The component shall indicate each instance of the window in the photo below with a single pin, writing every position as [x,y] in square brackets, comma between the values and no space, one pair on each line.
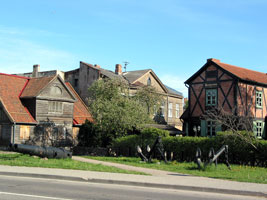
[258,128]
[259,99]
[76,82]
[56,90]
[211,97]
[55,107]
[24,132]
[162,109]
[211,128]
[177,111]
[149,81]
[170,110]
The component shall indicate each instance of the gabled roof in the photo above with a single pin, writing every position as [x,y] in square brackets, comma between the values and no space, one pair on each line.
[11,87]
[80,111]
[133,76]
[241,73]
[36,85]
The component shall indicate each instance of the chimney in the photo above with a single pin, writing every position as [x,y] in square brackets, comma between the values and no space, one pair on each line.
[96,65]
[35,72]
[213,59]
[118,69]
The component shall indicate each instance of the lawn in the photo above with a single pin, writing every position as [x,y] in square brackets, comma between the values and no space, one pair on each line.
[18,159]
[238,173]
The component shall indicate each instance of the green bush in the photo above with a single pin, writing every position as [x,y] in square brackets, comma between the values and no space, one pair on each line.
[184,148]
[126,145]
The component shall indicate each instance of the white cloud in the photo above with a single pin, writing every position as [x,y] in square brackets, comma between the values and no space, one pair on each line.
[176,82]
[18,54]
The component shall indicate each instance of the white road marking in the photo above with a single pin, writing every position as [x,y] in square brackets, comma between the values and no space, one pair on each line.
[34,196]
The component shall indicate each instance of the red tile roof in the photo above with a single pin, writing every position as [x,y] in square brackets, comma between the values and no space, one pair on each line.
[80,111]
[35,85]
[11,87]
[243,73]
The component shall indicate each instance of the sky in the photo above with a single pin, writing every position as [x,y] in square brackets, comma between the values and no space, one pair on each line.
[174,38]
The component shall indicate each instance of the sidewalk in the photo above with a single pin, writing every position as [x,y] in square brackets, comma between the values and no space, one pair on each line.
[158,179]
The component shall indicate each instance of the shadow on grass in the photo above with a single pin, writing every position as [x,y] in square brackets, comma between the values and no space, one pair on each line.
[9,156]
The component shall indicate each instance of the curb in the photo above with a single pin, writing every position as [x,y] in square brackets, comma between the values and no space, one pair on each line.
[140,184]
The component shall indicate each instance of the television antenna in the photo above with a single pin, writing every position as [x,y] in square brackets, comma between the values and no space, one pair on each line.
[125,65]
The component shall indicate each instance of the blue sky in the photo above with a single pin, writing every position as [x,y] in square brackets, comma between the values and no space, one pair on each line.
[172,37]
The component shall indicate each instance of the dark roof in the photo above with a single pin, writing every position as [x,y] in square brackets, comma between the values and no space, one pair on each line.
[35,85]
[80,111]
[132,76]
[173,91]
[11,87]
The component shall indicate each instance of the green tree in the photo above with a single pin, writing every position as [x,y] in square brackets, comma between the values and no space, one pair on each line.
[115,112]
[150,98]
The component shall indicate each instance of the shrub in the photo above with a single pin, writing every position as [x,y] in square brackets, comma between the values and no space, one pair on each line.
[184,148]
[126,145]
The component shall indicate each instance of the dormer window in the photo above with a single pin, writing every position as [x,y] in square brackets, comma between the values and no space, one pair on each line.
[149,81]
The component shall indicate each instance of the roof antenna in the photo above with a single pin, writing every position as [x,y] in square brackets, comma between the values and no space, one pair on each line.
[125,65]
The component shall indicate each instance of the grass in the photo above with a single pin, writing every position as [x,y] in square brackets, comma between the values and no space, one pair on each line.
[238,173]
[18,159]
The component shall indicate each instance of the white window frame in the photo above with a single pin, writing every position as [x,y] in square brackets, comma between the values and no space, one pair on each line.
[170,110]
[177,111]
[258,99]
[258,129]
[162,109]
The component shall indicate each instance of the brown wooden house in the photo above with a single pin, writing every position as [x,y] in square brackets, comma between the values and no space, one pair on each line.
[236,90]
[27,102]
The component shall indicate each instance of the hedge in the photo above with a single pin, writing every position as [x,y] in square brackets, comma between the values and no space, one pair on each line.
[184,148]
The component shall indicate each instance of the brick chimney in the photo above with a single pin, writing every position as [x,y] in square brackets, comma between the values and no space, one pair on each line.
[35,71]
[118,69]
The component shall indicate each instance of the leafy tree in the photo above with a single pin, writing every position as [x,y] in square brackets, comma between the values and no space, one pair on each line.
[150,98]
[115,112]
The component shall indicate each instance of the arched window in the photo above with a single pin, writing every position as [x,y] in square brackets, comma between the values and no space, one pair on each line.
[149,81]
[56,90]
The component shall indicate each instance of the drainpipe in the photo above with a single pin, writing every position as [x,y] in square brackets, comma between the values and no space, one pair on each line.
[13,135]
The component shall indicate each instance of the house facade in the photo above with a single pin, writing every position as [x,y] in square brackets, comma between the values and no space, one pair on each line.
[172,106]
[235,90]
[26,103]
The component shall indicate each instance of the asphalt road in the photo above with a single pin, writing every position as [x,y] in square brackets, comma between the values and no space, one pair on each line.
[20,188]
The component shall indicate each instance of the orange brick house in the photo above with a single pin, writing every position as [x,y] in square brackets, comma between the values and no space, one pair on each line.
[236,90]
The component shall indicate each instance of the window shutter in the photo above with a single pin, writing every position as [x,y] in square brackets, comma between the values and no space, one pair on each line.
[263,133]
[203,128]
[218,128]
[255,128]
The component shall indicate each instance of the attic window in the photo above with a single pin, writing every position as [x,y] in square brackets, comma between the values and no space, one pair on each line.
[149,81]
[211,74]
[56,90]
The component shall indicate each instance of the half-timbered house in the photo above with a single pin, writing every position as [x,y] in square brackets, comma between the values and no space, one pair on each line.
[236,90]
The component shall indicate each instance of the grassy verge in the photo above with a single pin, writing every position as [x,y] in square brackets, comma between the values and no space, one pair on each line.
[30,161]
[238,173]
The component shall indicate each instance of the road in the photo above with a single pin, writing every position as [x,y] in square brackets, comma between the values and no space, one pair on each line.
[20,188]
